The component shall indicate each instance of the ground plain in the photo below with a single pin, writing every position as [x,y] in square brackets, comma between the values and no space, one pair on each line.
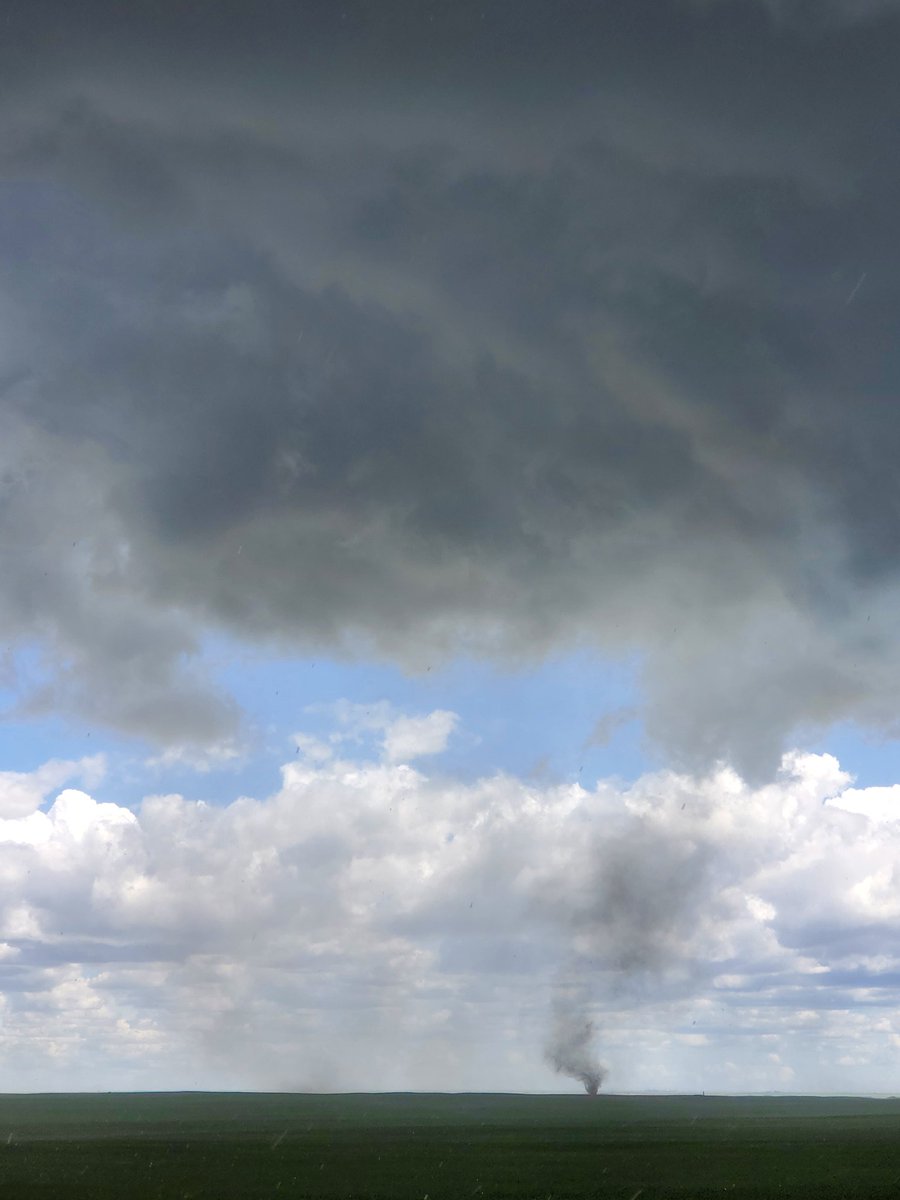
[446,1147]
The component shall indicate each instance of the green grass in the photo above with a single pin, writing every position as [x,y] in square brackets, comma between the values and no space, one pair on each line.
[192,1145]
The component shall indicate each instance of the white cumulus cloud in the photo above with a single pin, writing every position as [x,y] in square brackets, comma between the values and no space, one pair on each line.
[369,925]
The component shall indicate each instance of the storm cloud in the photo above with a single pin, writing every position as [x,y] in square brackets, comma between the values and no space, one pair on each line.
[423,330]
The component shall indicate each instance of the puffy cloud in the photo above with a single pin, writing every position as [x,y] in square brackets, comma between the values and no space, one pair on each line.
[876,803]
[21,792]
[370,926]
[411,737]
[402,737]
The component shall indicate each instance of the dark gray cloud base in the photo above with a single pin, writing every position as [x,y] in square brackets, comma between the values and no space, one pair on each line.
[413,335]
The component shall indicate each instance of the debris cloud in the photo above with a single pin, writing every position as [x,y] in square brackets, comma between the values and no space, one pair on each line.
[570,1050]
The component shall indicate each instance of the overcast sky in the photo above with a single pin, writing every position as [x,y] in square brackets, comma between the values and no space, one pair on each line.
[450,527]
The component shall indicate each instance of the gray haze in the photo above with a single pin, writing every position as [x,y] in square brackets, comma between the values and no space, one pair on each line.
[414,329]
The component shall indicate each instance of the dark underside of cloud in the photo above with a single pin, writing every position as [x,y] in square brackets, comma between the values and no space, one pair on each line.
[418,329]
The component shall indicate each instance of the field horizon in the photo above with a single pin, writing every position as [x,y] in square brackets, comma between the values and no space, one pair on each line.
[605,1093]
[444,1145]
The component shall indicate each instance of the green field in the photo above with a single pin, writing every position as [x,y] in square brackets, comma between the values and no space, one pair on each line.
[220,1146]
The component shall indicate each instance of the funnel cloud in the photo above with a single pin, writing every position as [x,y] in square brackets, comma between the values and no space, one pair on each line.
[570,1050]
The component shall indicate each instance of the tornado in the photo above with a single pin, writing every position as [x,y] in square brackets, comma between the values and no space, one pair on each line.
[570,1051]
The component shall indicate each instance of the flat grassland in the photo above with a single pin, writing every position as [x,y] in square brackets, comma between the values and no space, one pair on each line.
[446,1147]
